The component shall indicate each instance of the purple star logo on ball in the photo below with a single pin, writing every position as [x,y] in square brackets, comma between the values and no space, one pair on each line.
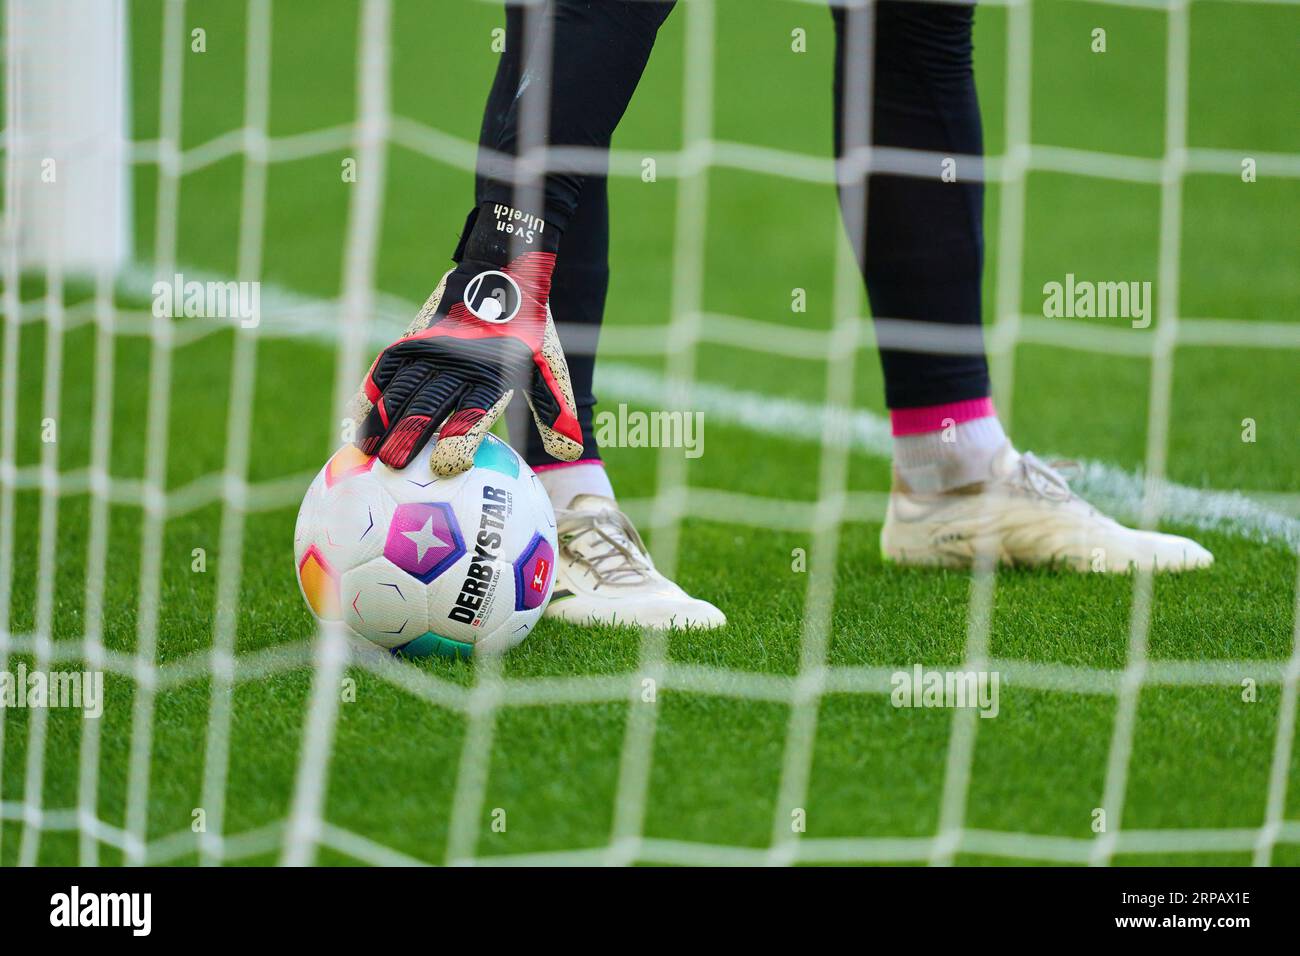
[423,539]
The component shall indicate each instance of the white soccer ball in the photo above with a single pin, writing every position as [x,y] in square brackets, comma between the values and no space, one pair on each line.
[419,565]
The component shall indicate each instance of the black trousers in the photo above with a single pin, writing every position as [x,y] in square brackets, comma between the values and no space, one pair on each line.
[598,51]
[918,238]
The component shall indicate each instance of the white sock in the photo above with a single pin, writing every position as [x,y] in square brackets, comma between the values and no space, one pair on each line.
[938,461]
[565,482]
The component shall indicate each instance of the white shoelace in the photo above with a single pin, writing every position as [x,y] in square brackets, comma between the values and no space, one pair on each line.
[621,561]
[1037,476]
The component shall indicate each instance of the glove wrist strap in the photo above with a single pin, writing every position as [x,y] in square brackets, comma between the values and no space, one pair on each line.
[497,233]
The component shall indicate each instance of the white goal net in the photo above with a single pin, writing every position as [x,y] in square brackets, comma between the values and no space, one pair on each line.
[52,243]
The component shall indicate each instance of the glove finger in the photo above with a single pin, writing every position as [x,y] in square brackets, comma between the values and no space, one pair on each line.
[550,396]
[432,399]
[371,427]
[461,434]
[376,417]
[386,364]
[362,405]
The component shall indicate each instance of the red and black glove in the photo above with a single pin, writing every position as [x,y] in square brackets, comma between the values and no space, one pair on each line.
[485,331]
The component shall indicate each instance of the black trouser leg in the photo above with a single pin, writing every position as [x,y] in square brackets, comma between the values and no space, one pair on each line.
[597,52]
[600,50]
[920,244]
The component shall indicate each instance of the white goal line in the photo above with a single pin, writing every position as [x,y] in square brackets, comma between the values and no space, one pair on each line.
[286,316]
[703,155]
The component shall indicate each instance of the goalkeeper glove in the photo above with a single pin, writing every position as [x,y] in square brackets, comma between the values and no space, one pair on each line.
[484,331]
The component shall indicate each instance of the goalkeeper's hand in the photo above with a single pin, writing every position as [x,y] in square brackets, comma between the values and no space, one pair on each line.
[484,332]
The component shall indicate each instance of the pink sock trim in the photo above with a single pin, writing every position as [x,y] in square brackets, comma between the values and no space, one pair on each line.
[931,418]
[569,464]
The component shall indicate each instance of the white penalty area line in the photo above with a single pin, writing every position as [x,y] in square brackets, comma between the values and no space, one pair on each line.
[289,314]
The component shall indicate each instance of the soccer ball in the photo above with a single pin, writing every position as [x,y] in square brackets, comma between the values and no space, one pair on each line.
[420,565]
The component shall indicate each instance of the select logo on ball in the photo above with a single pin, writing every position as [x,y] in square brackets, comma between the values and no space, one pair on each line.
[493,297]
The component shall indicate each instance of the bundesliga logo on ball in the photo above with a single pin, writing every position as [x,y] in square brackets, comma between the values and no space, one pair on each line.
[419,565]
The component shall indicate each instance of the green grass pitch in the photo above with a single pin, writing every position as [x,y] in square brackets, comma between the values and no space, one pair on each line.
[1201,756]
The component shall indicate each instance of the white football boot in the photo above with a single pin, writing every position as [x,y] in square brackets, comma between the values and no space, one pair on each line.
[604,574]
[1023,515]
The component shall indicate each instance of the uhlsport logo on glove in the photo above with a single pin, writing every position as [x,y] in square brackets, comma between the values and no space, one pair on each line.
[493,297]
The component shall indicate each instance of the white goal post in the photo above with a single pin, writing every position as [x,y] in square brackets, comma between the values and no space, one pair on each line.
[67,158]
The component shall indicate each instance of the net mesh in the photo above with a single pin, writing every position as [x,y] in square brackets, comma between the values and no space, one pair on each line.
[299,837]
